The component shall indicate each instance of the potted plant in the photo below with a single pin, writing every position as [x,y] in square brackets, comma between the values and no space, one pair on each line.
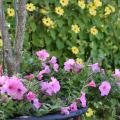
[54,92]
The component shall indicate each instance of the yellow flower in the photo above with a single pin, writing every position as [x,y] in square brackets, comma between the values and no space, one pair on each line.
[97,3]
[64,2]
[59,10]
[75,28]
[79,61]
[48,22]
[92,11]
[10,12]
[89,112]
[30,7]
[93,30]
[109,9]
[75,50]
[81,4]
[43,11]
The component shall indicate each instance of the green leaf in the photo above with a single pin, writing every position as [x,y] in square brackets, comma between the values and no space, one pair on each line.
[59,44]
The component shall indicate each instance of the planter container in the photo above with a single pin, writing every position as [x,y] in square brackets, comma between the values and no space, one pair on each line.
[75,115]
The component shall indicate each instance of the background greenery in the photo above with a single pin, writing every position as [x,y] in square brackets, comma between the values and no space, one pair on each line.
[104,47]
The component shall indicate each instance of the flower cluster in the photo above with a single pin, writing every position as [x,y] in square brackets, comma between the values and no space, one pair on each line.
[13,86]
[49,85]
[31,97]
[72,65]
[50,88]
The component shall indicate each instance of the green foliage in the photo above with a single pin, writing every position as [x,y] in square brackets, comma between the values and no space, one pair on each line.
[103,47]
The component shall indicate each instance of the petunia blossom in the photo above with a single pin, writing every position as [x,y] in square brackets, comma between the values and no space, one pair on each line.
[73,106]
[53,60]
[42,55]
[65,110]
[95,67]
[36,103]
[77,67]
[31,96]
[56,67]
[117,74]
[92,84]
[14,88]
[105,88]
[68,65]
[83,99]
[50,88]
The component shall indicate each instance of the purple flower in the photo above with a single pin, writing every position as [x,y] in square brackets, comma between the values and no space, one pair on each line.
[42,55]
[54,86]
[47,70]
[31,96]
[65,110]
[36,103]
[56,67]
[53,60]
[77,67]
[50,88]
[14,88]
[44,86]
[73,106]
[40,75]
[83,99]
[95,67]
[117,74]
[92,84]
[68,65]
[105,88]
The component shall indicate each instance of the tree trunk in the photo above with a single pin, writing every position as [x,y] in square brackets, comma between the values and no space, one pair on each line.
[20,29]
[13,60]
[9,59]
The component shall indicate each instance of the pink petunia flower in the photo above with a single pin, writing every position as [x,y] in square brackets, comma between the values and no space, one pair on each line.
[50,88]
[65,110]
[53,60]
[83,99]
[105,88]
[31,96]
[30,76]
[117,74]
[47,69]
[73,106]
[95,67]
[3,80]
[36,103]
[68,65]
[77,67]
[55,67]
[40,75]
[92,84]
[14,88]
[44,86]
[42,55]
